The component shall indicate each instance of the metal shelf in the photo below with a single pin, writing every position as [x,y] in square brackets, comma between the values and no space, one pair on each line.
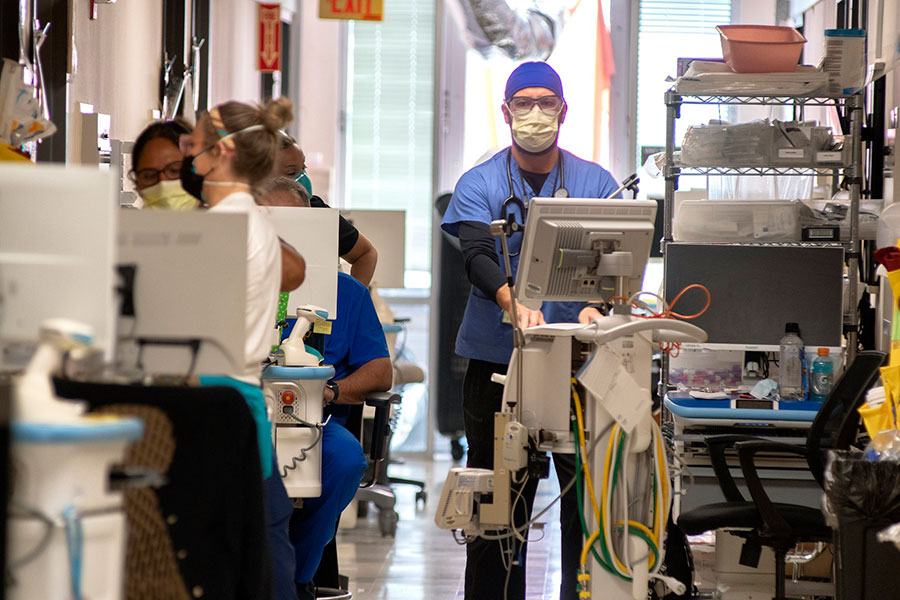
[673,98]
[850,106]
[800,170]
[844,245]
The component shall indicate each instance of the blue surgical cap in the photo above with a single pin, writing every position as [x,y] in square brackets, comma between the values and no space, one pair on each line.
[533,74]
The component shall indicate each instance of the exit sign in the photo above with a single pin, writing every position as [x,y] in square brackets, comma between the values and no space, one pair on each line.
[359,10]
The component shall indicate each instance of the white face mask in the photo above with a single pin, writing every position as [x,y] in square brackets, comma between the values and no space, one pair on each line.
[168,195]
[535,131]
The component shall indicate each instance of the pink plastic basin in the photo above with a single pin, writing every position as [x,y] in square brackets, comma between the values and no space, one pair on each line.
[761,48]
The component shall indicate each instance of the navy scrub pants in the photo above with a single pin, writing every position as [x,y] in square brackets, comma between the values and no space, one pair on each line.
[486,575]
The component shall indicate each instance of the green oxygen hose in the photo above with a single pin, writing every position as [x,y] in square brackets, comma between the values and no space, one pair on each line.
[631,530]
[584,528]
[606,560]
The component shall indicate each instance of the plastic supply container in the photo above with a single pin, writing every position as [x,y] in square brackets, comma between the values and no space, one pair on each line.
[737,221]
[790,364]
[845,60]
[822,376]
[888,227]
[728,144]
[761,48]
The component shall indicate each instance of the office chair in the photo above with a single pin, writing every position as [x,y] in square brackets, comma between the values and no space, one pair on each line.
[406,372]
[199,529]
[375,434]
[328,580]
[781,526]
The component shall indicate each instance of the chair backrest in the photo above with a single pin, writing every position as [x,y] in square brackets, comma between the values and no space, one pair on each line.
[205,440]
[838,413]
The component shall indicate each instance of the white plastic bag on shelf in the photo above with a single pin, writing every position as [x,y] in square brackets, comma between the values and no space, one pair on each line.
[714,78]
[725,144]
[737,221]
[766,187]
[756,143]
[21,120]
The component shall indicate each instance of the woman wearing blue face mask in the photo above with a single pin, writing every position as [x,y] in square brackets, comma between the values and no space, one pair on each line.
[353,246]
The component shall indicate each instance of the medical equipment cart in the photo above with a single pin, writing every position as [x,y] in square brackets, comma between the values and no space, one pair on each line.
[851,110]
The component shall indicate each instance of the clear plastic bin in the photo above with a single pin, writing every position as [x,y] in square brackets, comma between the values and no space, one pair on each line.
[728,145]
[737,221]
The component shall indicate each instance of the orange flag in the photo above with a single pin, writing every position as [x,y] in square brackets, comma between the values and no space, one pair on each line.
[605,69]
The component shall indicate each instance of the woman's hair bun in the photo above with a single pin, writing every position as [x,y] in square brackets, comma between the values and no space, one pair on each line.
[277,113]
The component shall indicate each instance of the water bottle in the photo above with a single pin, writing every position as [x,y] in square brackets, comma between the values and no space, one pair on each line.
[822,378]
[790,362]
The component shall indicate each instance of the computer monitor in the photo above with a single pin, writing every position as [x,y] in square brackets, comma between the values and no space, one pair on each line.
[57,254]
[190,283]
[313,232]
[754,290]
[386,229]
[575,248]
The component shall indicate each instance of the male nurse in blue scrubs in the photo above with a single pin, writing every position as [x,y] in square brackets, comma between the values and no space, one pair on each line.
[533,166]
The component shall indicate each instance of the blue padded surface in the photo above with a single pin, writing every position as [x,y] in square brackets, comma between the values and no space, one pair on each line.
[92,430]
[683,405]
[297,373]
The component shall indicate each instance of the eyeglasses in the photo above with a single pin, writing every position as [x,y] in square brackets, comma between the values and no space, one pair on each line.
[147,177]
[521,105]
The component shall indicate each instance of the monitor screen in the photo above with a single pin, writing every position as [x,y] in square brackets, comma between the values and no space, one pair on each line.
[190,283]
[386,229]
[313,232]
[57,252]
[576,248]
[755,290]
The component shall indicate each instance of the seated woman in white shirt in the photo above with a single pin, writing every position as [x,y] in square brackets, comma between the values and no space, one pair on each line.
[232,149]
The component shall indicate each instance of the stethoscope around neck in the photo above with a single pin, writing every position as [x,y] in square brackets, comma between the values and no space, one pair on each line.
[560,192]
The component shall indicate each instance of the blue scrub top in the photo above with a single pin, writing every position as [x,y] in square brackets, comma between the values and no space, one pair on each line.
[356,336]
[479,196]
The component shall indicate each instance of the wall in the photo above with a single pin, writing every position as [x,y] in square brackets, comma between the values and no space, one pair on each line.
[758,12]
[118,63]
[321,91]
[232,51]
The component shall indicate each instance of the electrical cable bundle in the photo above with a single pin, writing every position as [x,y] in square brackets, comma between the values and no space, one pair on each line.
[615,473]
[667,311]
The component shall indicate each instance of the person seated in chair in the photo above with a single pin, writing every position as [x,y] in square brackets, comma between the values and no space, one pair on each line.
[353,246]
[357,350]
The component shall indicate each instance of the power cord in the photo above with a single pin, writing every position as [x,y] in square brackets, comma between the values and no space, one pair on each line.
[571,483]
[296,460]
[39,548]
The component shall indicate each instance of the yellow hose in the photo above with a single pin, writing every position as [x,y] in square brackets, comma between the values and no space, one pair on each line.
[579,417]
[599,510]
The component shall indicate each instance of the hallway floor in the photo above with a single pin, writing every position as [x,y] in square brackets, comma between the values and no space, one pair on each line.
[424,562]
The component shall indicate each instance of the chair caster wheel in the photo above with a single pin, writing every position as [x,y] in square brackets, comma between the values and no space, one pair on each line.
[421,495]
[456,450]
[387,522]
